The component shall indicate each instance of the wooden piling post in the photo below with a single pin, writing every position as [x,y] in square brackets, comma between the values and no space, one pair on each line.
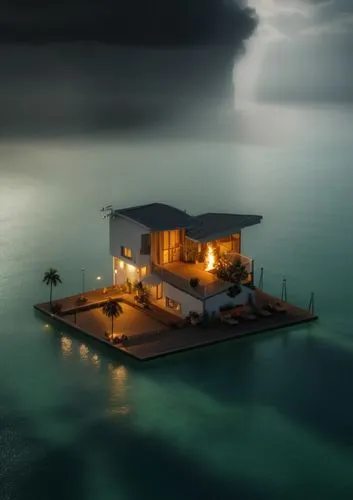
[284,290]
[261,280]
[311,307]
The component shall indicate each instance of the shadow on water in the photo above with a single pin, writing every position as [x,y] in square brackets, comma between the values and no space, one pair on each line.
[163,471]
[136,464]
[286,371]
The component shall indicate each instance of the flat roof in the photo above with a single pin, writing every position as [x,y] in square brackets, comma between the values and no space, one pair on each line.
[212,226]
[158,216]
[201,228]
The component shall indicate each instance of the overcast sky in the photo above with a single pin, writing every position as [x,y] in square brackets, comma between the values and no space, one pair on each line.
[302,50]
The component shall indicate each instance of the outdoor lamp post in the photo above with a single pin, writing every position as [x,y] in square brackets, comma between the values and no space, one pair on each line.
[83,281]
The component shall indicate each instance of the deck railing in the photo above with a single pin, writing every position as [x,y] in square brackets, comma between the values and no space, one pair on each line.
[170,277]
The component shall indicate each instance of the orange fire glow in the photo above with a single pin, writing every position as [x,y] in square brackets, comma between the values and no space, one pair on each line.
[210,258]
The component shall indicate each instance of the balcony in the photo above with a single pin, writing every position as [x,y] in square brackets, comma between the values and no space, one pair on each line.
[179,274]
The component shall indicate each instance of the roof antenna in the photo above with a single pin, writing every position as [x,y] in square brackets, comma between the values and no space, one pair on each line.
[107,212]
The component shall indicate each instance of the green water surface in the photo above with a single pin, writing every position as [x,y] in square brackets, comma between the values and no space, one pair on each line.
[269,417]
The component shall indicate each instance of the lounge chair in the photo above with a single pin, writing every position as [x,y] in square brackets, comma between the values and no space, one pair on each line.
[229,320]
[260,311]
[247,315]
[276,307]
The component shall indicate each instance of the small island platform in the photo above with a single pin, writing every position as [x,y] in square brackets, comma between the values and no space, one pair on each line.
[155,332]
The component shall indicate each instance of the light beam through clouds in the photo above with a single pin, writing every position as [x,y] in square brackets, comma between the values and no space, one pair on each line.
[287,27]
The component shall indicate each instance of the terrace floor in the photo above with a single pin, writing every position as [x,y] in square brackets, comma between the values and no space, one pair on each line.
[207,279]
[132,322]
[188,271]
[151,337]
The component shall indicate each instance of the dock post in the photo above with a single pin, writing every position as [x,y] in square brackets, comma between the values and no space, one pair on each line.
[311,307]
[261,280]
[284,290]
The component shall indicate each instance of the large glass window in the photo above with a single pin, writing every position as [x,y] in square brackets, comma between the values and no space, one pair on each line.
[171,246]
[143,272]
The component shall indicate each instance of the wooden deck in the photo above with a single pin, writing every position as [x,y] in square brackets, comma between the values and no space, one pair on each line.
[156,333]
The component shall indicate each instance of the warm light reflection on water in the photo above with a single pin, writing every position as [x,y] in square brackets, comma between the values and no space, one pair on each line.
[95,360]
[66,346]
[119,379]
[83,351]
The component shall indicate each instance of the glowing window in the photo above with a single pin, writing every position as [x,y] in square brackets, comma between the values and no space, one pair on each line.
[143,272]
[126,252]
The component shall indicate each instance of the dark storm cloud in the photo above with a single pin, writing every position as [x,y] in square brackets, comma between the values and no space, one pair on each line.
[130,22]
[167,62]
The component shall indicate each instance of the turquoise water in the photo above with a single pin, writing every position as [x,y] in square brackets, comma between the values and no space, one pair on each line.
[269,417]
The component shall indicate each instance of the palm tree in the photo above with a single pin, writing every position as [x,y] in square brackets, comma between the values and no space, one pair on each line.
[52,278]
[112,309]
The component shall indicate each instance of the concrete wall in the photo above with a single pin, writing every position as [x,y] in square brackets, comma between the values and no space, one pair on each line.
[123,232]
[187,302]
[214,303]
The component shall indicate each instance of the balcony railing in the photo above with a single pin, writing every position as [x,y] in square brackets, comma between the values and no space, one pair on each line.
[200,291]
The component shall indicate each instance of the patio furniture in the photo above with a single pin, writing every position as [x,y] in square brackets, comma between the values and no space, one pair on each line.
[260,311]
[276,307]
[247,316]
[229,320]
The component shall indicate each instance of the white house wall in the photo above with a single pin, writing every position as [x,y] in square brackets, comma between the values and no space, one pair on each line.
[126,233]
[213,304]
[186,301]
[127,272]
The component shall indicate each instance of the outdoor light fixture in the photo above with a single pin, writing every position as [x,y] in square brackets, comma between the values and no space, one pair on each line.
[115,271]
[99,278]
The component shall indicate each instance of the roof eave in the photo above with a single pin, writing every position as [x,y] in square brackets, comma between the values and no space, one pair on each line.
[255,219]
[123,216]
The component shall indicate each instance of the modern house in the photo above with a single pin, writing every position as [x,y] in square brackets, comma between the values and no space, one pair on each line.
[176,256]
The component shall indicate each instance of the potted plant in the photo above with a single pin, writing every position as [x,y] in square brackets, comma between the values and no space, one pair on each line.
[194,317]
[194,282]
[142,296]
[56,307]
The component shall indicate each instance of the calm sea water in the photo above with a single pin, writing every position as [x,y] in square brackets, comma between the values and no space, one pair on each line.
[269,417]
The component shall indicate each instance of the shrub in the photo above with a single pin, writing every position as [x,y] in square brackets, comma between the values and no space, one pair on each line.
[142,296]
[228,270]
[56,307]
